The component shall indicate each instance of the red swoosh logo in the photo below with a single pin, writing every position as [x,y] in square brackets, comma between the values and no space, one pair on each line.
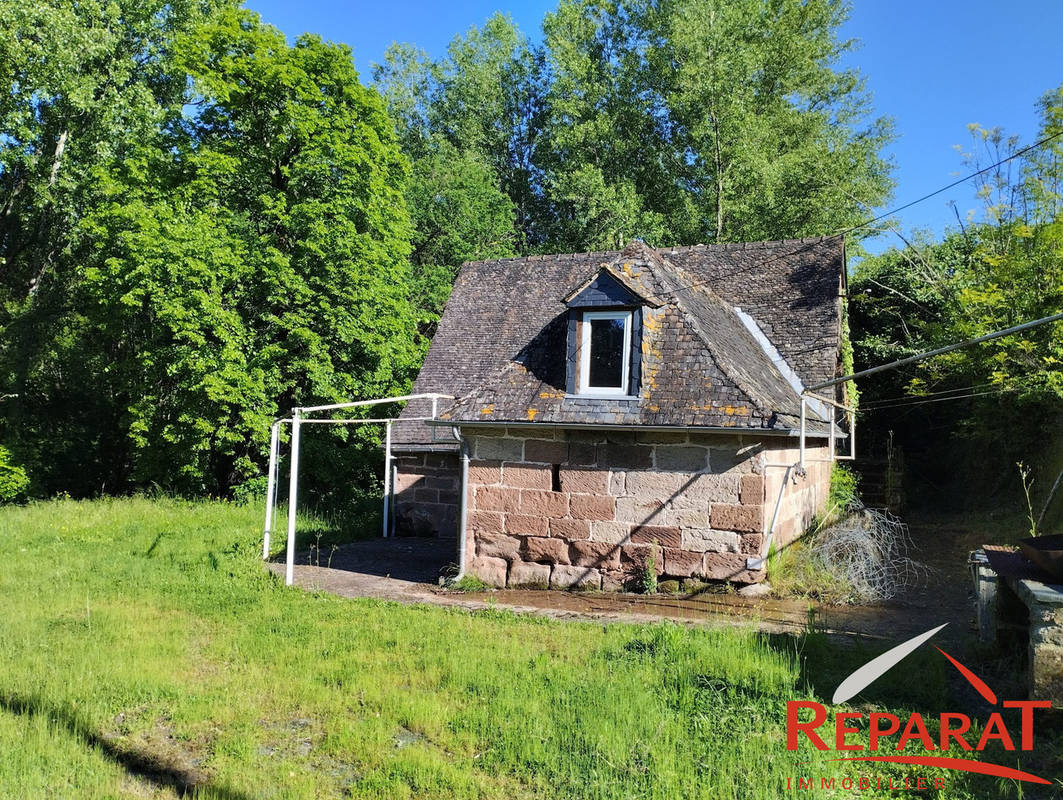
[974,680]
[960,764]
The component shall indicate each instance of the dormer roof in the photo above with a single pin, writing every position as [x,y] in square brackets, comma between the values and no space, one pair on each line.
[610,287]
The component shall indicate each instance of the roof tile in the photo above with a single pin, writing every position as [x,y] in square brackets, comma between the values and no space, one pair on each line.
[500,344]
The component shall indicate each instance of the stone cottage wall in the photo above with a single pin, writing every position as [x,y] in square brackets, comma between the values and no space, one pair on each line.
[426,494]
[805,495]
[567,508]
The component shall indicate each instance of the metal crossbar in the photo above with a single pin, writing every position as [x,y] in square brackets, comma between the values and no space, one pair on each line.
[297,420]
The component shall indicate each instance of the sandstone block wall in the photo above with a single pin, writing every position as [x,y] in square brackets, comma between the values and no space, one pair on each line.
[426,494]
[572,508]
[804,496]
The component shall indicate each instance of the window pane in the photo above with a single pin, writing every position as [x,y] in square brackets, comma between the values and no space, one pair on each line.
[607,353]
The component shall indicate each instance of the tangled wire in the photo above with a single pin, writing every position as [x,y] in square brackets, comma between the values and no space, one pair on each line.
[868,551]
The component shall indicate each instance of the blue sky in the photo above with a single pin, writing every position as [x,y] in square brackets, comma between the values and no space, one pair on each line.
[934,66]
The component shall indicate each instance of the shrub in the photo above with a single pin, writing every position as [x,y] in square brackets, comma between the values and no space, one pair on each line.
[844,489]
[469,583]
[646,577]
[13,479]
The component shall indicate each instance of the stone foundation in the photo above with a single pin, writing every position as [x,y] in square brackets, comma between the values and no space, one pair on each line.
[582,509]
[426,494]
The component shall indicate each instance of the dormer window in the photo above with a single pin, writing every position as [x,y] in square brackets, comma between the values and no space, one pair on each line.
[604,336]
[605,357]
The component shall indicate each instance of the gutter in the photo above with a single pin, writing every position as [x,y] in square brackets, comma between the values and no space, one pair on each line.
[781,432]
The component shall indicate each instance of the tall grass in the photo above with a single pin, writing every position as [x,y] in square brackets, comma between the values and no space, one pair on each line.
[144,650]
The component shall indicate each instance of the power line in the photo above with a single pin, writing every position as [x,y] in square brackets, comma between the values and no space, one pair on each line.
[957,182]
[940,400]
[939,351]
[901,397]
[873,220]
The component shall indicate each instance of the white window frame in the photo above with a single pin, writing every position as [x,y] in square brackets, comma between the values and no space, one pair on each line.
[585,352]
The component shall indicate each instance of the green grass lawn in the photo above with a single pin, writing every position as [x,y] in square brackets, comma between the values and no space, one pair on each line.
[144,650]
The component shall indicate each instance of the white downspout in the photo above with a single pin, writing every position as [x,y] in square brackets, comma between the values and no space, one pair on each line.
[758,562]
[852,437]
[271,487]
[293,491]
[394,480]
[833,446]
[463,505]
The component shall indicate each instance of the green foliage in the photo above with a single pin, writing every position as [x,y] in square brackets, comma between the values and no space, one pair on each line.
[227,265]
[668,587]
[13,478]
[1001,268]
[466,188]
[88,81]
[459,214]
[469,583]
[795,572]
[676,122]
[846,357]
[844,488]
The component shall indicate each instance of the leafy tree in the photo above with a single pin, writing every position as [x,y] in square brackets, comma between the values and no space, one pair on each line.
[998,269]
[13,480]
[464,121]
[483,98]
[240,260]
[694,120]
[679,121]
[90,81]
[459,214]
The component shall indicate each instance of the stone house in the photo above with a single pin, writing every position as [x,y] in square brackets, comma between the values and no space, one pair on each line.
[623,411]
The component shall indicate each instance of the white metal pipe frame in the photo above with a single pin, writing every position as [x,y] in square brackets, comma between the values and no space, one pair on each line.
[297,420]
[810,393]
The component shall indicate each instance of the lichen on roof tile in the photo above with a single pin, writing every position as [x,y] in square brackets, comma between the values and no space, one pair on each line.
[500,344]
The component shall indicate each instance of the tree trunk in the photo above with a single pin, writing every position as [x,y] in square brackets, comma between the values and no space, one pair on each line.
[719,179]
[60,146]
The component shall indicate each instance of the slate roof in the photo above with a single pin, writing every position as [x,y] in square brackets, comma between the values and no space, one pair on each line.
[500,347]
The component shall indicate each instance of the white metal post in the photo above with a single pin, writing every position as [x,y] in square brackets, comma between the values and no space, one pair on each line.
[804,402]
[387,479]
[293,491]
[833,412]
[394,480]
[852,437]
[271,487]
